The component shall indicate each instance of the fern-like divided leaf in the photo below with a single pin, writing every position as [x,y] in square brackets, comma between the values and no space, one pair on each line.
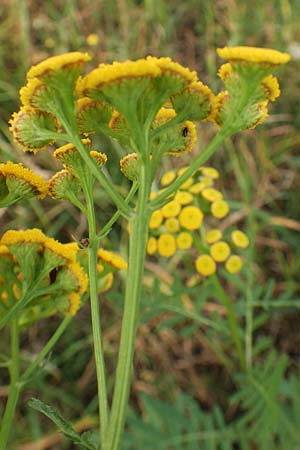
[83,442]
[181,426]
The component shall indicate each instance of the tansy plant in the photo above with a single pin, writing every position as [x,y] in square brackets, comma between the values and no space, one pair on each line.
[150,106]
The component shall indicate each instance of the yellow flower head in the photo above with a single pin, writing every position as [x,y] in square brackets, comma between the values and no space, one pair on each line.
[239,239]
[74,304]
[220,101]
[92,114]
[191,217]
[112,259]
[166,245]
[256,55]
[92,39]
[63,184]
[209,172]
[211,194]
[17,171]
[225,71]
[167,178]
[169,67]
[271,87]
[183,197]
[220,251]
[184,240]
[190,134]
[12,237]
[65,62]
[172,224]
[99,157]
[29,127]
[156,219]
[79,275]
[205,265]
[195,101]
[151,246]
[213,236]
[219,209]
[68,152]
[171,209]
[233,264]
[30,94]
[130,166]
[62,251]
[116,73]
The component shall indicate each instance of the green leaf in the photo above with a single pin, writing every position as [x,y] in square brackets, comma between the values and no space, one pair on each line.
[63,425]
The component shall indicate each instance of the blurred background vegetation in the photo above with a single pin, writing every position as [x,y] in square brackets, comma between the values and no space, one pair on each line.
[182,380]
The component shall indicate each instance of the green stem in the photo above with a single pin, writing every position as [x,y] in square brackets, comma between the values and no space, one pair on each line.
[48,347]
[94,169]
[201,159]
[105,230]
[232,319]
[95,311]
[137,250]
[15,386]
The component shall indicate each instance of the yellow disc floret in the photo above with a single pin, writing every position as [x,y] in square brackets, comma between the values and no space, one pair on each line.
[239,239]
[233,264]
[156,219]
[171,209]
[205,265]
[151,246]
[220,251]
[219,209]
[166,245]
[184,240]
[191,217]
[213,236]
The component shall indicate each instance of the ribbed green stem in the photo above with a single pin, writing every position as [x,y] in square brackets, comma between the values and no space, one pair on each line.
[14,389]
[95,311]
[137,250]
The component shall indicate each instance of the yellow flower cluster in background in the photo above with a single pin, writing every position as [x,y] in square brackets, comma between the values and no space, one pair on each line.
[191,221]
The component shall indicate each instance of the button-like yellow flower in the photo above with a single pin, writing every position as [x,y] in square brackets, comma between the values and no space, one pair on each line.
[184,240]
[240,239]
[151,246]
[166,245]
[156,219]
[172,224]
[183,197]
[171,209]
[191,217]
[92,39]
[210,172]
[205,265]
[211,194]
[167,178]
[233,264]
[213,236]
[219,209]
[220,251]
